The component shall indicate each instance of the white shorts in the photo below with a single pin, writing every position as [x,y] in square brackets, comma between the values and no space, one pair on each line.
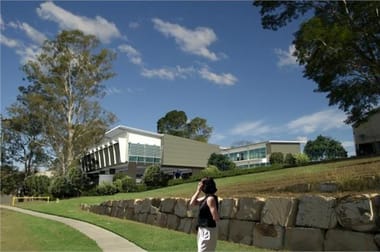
[206,239]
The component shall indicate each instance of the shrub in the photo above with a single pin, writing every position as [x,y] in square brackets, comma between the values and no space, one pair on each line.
[290,160]
[118,184]
[128,184]
[61,187]
[106,188]
[154,177]
[222,162]
[36,185]
[301,159]
[276,158]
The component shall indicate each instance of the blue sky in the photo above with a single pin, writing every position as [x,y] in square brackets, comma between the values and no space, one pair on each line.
[209,59]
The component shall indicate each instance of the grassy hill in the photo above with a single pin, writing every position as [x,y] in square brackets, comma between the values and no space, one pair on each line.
[354,175]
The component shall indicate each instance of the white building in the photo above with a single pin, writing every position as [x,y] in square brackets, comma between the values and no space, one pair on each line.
[130,150]
[257,154]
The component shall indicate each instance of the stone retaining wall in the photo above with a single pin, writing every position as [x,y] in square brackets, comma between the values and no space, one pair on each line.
[308,222]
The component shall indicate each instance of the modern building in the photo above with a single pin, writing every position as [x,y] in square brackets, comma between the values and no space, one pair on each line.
[131,150]
[257,154]
[367,136]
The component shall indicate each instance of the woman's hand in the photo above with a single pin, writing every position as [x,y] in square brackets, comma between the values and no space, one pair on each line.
[200,186]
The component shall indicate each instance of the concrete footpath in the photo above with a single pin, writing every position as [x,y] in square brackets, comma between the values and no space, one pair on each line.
[106,240]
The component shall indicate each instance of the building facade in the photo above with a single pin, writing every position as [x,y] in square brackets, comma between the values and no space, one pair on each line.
[367,136]
[257,154]
[129,150]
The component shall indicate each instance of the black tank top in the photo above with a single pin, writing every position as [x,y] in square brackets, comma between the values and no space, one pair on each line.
[205,217]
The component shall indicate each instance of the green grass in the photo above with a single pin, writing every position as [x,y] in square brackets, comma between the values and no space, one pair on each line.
[154,238]
[21,232]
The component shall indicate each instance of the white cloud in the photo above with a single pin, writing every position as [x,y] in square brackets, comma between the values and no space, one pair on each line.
[12,43]
[168,73]
[191,41]
[303,139]
[31,32]
[133,55]
[221,79]
[2,25]
[25,52]
[348,144]
[98,26]
[28,53]
[133,25]
[286,58]
[320,121]
[251,129]
[112,90]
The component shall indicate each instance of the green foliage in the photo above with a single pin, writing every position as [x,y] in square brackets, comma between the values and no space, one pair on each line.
[338,44]
[65,86]
[78,180]
[276,158]
[128,184]
[61,187]
[290,160]
[11,179]
[36,185]
[301,159]
[175,123]
[222,162]
[22,140]
[324,148]
[124,183]
[199,130]
[154,177]
[210,171]
[118,184]
[106,188]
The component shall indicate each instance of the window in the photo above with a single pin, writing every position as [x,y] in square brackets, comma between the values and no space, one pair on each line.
[144,153]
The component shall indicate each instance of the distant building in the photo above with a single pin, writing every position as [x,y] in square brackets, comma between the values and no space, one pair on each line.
[131,150]
[367,136]
[257,154]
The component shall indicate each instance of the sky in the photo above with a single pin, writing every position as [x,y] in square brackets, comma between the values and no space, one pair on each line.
[210,59]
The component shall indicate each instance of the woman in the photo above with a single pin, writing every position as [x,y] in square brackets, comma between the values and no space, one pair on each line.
[208,216]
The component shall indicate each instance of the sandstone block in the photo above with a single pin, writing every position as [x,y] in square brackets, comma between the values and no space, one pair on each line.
[108,211]
[343,240]
[192,211]
[120,213]
[162,219]
[227,208]
[180,208]
[249,209]
[223,229]
[279,211]
[303,239]
[151,219]
[185,225]
[129,213]
[167,205]
[357,213]
[241,231]
[141,217]
[138,206]
[173,221]
[316,211]
[268,236]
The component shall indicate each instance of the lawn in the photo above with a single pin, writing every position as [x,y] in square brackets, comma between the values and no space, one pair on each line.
[154,238]
[21,232]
